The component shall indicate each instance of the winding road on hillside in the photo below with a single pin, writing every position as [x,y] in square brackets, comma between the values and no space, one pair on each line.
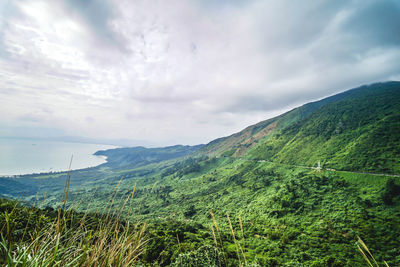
[321,168]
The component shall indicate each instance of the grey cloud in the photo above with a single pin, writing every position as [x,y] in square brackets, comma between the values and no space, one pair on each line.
[7,9]
[97,15]
[29,118]
[158,69]
[256,103]
[90,119]
[291,24]
[376,24]
[332,55]
[162,99]
[3,52]
[212,5]
[68,74]
[31,132]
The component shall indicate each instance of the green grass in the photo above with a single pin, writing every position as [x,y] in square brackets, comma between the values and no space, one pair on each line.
[37,237]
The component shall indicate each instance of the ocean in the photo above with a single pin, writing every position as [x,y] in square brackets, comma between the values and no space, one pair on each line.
[26,156]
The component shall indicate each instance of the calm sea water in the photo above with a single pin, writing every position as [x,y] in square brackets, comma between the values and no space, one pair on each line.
[35,156]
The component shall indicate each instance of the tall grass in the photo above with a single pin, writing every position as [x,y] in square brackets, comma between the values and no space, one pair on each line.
[239,244]
[367,255]
[72,240]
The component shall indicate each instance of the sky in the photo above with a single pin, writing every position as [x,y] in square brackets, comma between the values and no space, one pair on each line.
[163,72]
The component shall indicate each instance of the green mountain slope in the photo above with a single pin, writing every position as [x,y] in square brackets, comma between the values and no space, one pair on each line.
[239,143]
[141,156]
[355,130]
[251,197]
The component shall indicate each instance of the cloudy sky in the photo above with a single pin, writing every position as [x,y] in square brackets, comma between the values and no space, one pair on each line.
[182,71]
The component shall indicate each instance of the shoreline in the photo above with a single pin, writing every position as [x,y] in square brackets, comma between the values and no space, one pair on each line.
[21,175]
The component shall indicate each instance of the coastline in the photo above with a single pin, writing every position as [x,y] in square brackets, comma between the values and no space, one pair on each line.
[30,158]
[55,172]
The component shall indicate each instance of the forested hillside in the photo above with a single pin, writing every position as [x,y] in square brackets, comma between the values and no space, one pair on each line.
[355,130]
[253,198]
[141,156]
[358,131]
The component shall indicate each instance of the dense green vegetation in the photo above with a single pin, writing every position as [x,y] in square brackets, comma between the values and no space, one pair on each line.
[358,132]
[355,130]
[141,156]
[253,198]
[289,215]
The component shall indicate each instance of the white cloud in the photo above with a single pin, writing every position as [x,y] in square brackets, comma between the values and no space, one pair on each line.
[183,71]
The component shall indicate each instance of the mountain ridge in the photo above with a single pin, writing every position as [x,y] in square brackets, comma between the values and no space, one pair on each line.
[382,97]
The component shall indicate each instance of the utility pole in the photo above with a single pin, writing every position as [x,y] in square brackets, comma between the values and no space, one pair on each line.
[319,166]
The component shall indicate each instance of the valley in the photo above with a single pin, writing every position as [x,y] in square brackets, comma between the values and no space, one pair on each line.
[295,190]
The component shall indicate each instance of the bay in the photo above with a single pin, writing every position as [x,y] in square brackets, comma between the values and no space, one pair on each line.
[26,156]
